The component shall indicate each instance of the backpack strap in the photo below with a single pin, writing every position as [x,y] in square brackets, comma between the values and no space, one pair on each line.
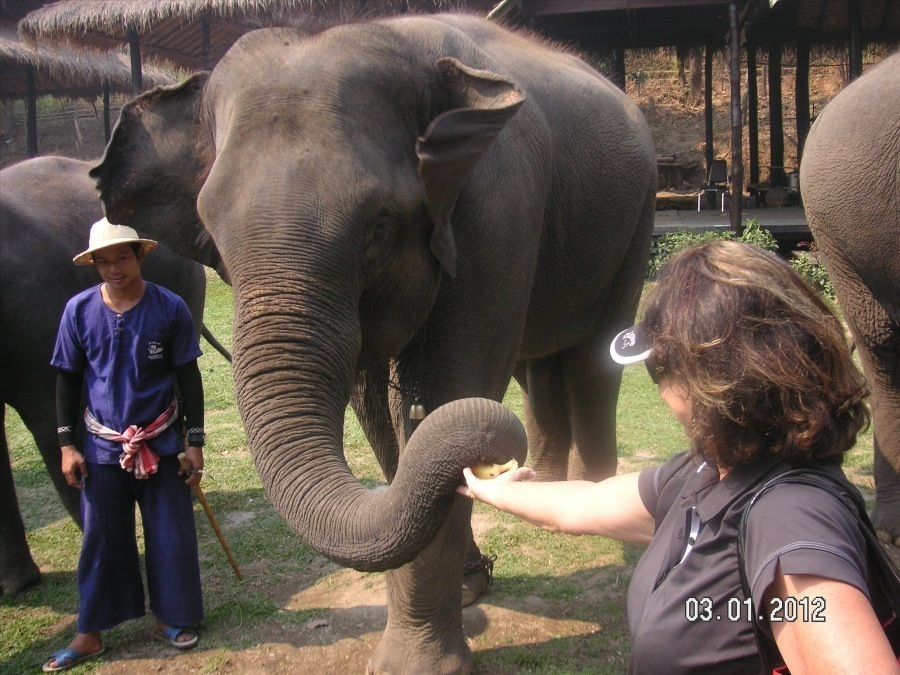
[885,577]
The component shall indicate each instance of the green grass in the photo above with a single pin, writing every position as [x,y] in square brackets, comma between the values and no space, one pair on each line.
[589,573]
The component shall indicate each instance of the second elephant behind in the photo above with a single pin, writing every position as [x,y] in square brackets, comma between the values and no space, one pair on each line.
[47,206]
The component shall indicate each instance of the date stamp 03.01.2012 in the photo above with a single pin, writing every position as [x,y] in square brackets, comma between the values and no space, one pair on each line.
[790,609]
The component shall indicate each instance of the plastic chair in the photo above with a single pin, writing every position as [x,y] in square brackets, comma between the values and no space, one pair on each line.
[717,181]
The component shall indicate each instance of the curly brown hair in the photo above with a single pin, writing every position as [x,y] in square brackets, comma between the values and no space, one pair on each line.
[763,357]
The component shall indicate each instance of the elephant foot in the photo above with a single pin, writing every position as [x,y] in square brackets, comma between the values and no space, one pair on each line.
[15,582]
[478,575]
[886,537]
[886,520]
[401,652]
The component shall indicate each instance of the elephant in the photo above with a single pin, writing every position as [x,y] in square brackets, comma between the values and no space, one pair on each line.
[850,182]
[47,206]
[410,210]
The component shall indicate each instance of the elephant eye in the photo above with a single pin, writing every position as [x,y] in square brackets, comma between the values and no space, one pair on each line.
[380,229]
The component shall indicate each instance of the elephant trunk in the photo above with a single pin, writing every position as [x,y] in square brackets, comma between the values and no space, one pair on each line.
[293,380]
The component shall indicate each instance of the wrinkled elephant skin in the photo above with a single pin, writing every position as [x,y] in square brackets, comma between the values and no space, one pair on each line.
[850,177]
[47,206]
[410,210]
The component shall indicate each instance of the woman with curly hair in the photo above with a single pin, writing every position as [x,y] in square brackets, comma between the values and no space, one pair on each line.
[757,369]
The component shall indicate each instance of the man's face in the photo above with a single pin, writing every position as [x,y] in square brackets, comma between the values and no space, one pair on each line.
[118,265]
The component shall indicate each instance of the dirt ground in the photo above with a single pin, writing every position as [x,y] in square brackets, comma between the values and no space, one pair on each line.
[342,639]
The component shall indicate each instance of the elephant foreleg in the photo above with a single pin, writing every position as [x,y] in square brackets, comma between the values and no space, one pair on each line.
[39,415]
[370,404]
[18,570]
[424,629]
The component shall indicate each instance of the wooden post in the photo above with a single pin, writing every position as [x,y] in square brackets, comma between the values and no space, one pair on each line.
[106,124]
[204,29]
[802,95]
[776,124]
[854,19]
[619,74]
[134,48]
[752,113]
[737,161]
[707,103]
[31,112]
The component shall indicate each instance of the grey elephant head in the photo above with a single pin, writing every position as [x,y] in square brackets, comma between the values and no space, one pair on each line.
[168,161]
[335,235]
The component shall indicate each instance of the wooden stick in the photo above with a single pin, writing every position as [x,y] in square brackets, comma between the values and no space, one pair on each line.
[186,466]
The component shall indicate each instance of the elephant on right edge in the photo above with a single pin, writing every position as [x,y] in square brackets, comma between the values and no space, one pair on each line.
[850,176]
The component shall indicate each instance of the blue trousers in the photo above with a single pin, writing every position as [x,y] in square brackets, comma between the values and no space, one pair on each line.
[109,576]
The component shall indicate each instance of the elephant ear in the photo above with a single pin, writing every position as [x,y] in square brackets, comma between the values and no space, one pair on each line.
[481,104]
[155,164]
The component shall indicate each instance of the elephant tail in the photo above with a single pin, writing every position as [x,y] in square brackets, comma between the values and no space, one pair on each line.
[211,339]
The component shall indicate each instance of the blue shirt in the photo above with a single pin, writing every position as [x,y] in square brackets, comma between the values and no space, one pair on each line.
[128,360]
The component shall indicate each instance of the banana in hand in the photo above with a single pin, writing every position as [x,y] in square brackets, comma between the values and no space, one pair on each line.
[485,471]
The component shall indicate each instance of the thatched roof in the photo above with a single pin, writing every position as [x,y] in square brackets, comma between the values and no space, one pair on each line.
[64,72]
[173,30]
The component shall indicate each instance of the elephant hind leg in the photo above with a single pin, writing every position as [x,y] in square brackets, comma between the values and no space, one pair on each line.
[547,418]
[592,390]
[875,326]
[18,570]
[879,348]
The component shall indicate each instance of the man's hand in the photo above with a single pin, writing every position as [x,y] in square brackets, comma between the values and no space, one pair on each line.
[194,455]
[73,466]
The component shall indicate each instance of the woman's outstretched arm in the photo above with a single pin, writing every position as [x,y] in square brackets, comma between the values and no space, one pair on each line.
[611,508]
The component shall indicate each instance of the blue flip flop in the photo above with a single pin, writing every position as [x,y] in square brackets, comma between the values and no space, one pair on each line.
[170,634]
[69,658]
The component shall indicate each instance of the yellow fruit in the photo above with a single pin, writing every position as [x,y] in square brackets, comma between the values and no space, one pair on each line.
[485,471]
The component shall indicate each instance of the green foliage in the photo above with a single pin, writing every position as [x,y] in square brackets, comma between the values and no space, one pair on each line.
[756,235]
[673,242]
[808,265]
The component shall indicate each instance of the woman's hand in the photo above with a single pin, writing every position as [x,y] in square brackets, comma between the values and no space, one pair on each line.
[476,488]
[611,508]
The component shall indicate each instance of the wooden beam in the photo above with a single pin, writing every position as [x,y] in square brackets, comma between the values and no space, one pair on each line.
[204,31]
[776,119]
[545,7]
[752,113]
[737,161]
[619,73]
[106,121]
[134,48]
[708,105]
[31,112]
[801,95]
[854,20]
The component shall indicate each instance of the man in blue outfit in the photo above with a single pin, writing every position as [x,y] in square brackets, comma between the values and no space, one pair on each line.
[129,341]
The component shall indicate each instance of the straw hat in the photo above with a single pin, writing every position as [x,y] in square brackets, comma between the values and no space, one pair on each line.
[104,234]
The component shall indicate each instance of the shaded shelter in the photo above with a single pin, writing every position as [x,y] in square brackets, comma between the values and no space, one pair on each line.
[195,34]
[28,73]
[846,25]
[604,26]
[192,34]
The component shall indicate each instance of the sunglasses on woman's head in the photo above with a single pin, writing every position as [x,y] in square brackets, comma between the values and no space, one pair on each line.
[655,372]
